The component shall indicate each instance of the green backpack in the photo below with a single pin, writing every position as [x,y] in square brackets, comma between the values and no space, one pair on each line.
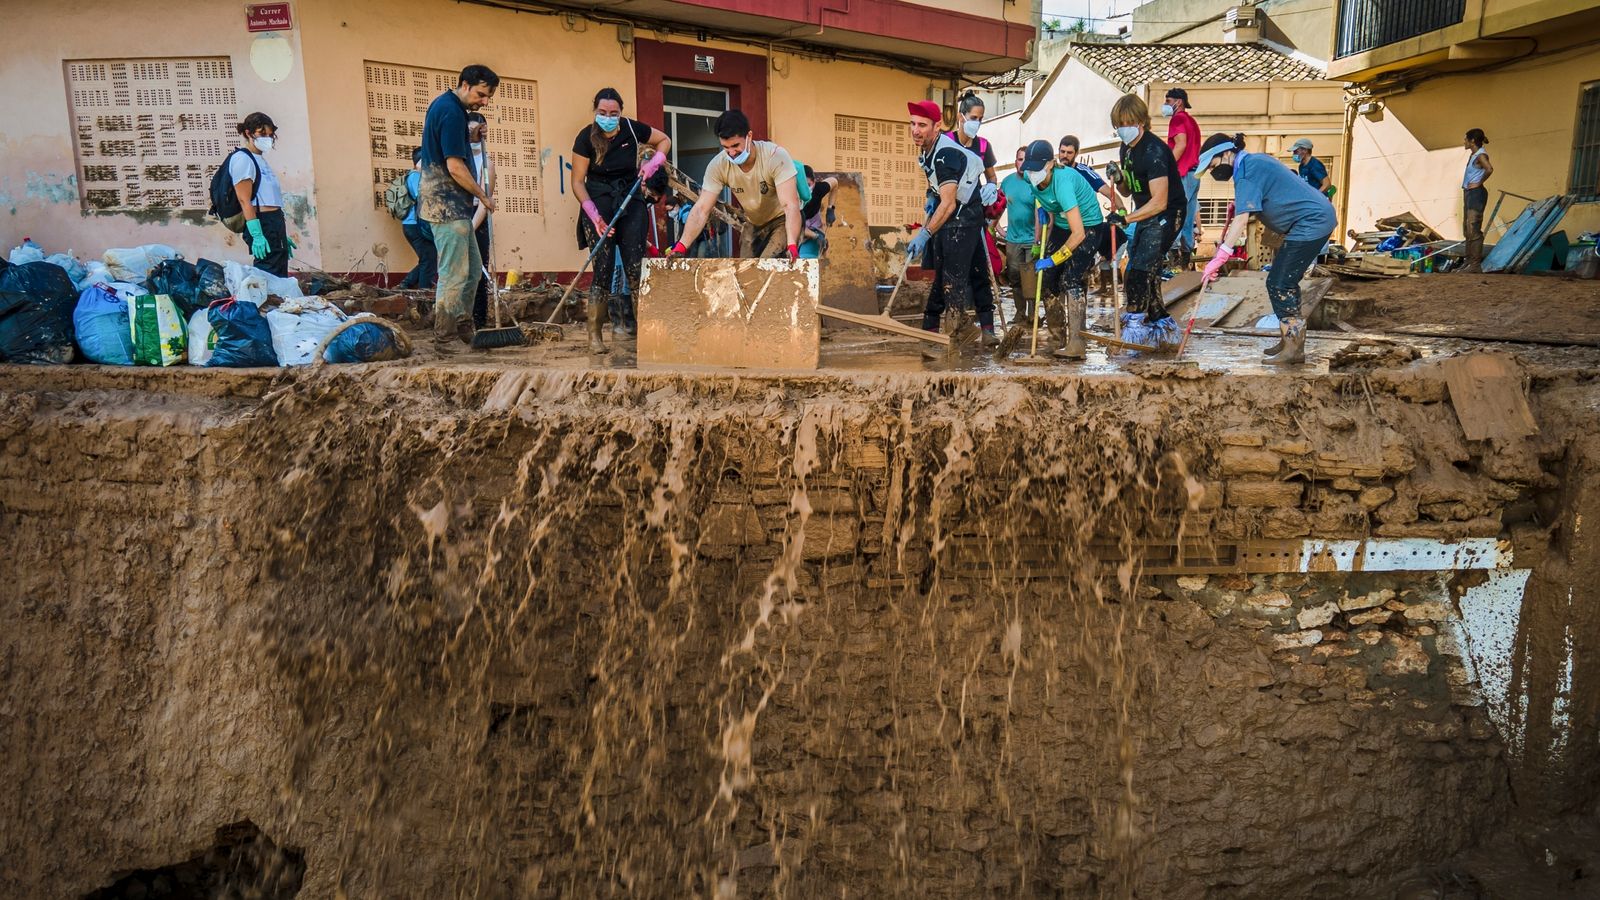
[398,197]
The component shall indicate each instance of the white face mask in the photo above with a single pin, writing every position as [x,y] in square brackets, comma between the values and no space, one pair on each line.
[970,127]
[1128,133]
[263,144]
[1037,178]
[1166,109]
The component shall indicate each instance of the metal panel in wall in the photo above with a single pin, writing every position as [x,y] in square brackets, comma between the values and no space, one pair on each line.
[149,132]
[397,102]
[883,152]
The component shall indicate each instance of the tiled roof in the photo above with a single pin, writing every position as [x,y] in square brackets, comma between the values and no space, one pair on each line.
[1131,65]
[1014,78]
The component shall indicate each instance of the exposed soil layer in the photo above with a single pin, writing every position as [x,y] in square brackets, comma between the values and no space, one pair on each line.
[478,632]
[1507,307]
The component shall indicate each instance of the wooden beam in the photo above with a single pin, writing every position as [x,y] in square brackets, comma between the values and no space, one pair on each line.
[884,323]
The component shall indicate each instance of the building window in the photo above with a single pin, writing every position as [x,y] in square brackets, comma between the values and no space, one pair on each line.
[397,102]
[1585,181]
[1214,211]
[149,132]
[1368,24]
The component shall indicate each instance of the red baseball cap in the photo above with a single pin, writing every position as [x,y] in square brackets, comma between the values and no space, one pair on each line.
[927,109]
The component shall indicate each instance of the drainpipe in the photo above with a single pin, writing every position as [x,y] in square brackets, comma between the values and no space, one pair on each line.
[1352,102]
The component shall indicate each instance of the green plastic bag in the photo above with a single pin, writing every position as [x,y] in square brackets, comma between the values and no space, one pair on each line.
[159,338]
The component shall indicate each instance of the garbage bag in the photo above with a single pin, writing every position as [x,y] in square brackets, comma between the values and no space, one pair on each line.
[298,327]
[72,266]
[159,335]
[202,340]
[213,281]
[361,343]
[25,252]
[252,284]
[96,273]
[100,325]
[39,278]
[241,337]
[180,280]
[35,329]
[134,264]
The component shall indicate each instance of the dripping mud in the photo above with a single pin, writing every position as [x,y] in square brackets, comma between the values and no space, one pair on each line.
[482,633]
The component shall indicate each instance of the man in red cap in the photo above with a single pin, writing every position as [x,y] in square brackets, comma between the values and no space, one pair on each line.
[951,240]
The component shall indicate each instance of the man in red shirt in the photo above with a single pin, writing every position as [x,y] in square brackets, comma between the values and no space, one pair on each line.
[1183,136]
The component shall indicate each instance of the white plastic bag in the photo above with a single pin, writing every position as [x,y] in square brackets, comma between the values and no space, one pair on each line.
[298,326]
[25,252]
[200,338]
[73,266]
[253,285]
[96,273]
[134,264]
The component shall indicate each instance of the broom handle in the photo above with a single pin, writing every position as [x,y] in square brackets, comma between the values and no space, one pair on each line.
[1038,278]
[1116,296]
[599,242]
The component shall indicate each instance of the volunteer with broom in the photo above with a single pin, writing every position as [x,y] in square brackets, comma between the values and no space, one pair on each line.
[1070,253]
[1264,187]
[1151,175]
[605,167]
[951,240]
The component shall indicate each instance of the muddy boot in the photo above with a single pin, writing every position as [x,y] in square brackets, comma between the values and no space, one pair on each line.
[597,320]
[1024,314]
[1294,344]
[1277,346]
[989,338]
[1077,313]
[1055,321]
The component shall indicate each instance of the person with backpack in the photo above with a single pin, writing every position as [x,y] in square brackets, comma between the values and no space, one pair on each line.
[260,199]
[951,241]
[605,165]
[403,204]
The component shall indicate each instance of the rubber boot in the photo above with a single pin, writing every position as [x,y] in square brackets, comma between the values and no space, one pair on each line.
[1276,347]
[597,320]
[1294,344]
[1077,315]
[1474,257]
[1024,314]
[989,338]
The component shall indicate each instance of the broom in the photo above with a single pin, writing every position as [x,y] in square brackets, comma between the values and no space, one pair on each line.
[1014,334]
[548,330]
[496,337]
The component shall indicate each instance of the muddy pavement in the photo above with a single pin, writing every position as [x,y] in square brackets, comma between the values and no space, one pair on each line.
[564,633]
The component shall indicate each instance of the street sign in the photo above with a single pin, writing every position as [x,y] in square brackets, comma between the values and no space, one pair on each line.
[268,17]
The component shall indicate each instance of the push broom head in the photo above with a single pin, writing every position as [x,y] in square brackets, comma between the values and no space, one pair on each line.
[495,338]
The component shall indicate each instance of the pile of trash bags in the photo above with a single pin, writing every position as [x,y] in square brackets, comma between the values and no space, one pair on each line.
[148,306]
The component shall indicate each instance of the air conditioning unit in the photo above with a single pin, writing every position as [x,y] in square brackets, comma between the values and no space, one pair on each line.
[1242,24]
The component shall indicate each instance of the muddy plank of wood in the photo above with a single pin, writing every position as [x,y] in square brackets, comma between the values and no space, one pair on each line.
[1113,342]
[1178,287]
[1486,391]
[849,280]
[884,323]
[757,313]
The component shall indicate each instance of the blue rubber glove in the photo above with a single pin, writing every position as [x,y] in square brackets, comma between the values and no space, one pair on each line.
[1053,260]
[1043,216]
[919,242]
[989,193]
[258,241]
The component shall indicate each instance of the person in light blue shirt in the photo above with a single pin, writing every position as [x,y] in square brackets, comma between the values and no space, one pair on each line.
[1019,238]
[418,233]
[1070,206]
[1265,187]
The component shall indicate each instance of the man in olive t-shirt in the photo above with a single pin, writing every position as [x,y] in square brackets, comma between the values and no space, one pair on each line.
[761,176]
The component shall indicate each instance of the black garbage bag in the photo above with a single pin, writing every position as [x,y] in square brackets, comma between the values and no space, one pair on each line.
[36,329]
[213,282]
[180,280]
[242,339]
[361,343]
[39,278]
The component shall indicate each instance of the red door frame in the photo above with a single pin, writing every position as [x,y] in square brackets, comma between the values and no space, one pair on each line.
[743,74]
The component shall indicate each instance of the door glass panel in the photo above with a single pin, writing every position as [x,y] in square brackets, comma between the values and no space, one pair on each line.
[693,97]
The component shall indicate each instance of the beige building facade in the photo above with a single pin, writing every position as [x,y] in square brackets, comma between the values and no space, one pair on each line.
[115,124]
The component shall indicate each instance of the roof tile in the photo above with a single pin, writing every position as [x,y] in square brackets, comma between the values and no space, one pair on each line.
[1130,65]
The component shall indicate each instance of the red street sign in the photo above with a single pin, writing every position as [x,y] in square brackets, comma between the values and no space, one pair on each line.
[268,17]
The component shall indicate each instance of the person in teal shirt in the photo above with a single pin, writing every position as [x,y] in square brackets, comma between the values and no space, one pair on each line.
[1069,204]
[1019,240]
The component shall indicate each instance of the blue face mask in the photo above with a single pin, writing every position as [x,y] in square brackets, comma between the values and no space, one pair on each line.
[742,158]
[607,124]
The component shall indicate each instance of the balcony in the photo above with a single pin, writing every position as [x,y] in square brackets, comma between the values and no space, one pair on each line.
[1368,24]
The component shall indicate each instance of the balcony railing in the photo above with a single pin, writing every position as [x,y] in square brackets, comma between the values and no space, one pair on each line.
[1366,24]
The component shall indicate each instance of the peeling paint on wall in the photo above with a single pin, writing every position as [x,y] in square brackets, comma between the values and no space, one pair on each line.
[52,188]
[297,208]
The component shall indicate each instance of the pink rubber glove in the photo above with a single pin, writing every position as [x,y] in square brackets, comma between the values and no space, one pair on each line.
[593,212]
[1214,268]
[652,165]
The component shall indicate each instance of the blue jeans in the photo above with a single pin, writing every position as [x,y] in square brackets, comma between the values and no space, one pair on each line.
[1289,264]
[422,275]
[1191,186]
[460,269]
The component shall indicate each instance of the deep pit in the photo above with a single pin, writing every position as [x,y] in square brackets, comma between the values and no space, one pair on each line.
[483,632]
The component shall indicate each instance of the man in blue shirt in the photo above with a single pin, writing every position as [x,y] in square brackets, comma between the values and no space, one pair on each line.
[449,186]
[1264,187]
[1019,240]
[1311,168]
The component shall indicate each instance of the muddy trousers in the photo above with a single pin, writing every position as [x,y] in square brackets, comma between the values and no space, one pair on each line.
[961,273]
[1476,200]
[1150,242]
[460,269]
[629,242]
[1289,265]
[424,273]
[1070,281]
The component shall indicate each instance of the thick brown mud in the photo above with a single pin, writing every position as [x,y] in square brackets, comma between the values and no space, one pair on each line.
[479,633]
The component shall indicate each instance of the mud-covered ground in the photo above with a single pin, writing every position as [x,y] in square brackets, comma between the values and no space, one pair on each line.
[1489,307]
